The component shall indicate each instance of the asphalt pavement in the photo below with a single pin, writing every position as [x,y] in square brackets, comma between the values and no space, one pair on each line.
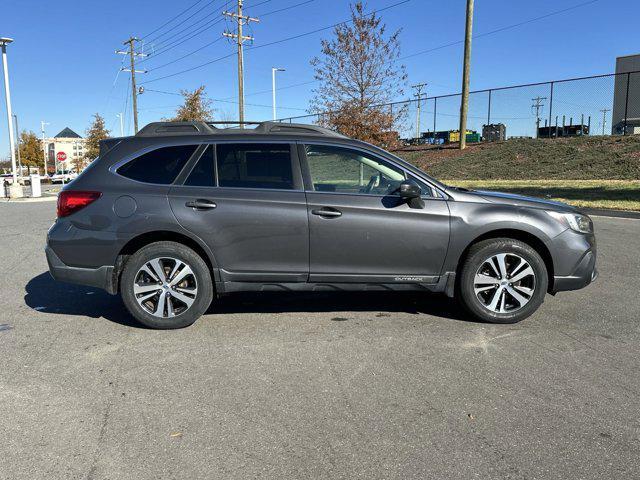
[316,385]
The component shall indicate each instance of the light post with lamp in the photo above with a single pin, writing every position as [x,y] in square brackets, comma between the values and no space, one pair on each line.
[273,87]
[15,190]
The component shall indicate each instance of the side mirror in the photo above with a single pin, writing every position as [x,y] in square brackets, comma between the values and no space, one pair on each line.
[411,192]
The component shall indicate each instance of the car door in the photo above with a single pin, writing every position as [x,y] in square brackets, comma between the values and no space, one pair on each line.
[360,229]
[245,200]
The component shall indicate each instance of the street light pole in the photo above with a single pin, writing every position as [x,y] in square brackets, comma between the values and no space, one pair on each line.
[273,88]
[44,147]
[119,115]
[15,117]
[16,190]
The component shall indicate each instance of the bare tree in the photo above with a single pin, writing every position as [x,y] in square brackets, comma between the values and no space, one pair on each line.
[196,107]
[357,72]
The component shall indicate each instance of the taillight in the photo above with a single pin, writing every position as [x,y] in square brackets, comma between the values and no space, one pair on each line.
[70,201]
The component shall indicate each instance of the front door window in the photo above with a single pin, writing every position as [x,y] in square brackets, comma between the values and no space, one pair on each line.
[342,170]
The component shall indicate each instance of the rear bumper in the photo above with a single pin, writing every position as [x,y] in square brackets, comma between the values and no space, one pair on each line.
[583,275]
[101,277]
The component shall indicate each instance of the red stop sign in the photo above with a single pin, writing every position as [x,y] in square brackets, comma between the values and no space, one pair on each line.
[61,156]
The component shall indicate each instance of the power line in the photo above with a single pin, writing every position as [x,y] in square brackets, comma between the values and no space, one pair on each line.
[324,28]
[273,43]
[186,55]
[172,19]
[190,69]
[222,100]
[284,8]
[176,34]
[278,89]
[498,30]
[258,4]
[175,43]
[211,24]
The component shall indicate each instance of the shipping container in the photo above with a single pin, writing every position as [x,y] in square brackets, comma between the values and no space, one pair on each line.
[454,135]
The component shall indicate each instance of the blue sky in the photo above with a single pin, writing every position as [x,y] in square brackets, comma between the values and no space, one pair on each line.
[63,67]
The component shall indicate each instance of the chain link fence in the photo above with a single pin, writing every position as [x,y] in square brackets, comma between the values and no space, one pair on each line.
[597,105]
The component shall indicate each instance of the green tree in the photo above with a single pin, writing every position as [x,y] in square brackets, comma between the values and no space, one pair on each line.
[196,107]
[31,153]
[96,132]
[357,71]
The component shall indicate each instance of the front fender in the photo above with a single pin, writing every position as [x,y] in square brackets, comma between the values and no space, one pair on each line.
[470,221]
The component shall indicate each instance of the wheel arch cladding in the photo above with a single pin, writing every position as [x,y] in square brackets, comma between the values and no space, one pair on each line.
[524,236]
[147,238]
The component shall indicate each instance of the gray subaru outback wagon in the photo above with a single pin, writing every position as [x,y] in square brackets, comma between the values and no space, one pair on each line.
[184,211]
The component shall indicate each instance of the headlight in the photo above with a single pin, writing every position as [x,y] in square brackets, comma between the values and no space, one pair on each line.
[574,221]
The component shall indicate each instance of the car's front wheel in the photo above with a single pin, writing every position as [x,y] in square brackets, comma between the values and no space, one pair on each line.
[166,285]
[502,280]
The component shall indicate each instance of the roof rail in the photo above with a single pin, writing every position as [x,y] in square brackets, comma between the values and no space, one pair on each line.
[176,128]
[278,127]
[209,128]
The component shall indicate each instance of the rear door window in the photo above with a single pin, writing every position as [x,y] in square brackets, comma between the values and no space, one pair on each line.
[160,166]
[254,165]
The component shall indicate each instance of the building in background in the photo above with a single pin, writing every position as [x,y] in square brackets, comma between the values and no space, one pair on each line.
[623,103]
[65,151]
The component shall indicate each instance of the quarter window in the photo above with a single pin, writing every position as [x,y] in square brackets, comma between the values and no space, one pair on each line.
[159,166]
[342,170]
[203,174]
[255,166]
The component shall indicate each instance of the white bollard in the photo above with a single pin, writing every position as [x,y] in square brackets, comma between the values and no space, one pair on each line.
[36,189]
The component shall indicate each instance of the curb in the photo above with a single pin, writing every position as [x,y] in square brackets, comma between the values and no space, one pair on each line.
[47,198]
[602,212]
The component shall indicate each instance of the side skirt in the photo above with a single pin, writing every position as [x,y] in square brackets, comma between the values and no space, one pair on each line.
[444,283]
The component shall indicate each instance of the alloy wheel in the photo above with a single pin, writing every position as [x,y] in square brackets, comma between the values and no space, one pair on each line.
[504,283]
[165,287]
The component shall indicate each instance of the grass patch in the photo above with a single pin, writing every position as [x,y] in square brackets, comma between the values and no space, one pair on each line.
[610,194]
[578,158]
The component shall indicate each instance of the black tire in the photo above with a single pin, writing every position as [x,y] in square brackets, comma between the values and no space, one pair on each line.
[477,256]
[174,250]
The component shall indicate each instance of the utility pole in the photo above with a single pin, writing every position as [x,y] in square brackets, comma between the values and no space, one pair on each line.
[273,88]
[134,91]
[44,146]
[240,38]
[466,71]
[538,106]
[604,118]
[15,117]
[418,87]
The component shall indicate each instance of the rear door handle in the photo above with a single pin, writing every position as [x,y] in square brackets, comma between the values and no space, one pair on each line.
[327,212]
[201,204]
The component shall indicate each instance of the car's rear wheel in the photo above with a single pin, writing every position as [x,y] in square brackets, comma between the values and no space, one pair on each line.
[502,280]
[166,285]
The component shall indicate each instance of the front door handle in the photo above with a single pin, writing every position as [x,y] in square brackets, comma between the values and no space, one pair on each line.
[201,204]
[327,212]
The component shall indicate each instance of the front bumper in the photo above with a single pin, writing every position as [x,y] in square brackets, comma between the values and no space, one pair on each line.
[583,275]
[101,277]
